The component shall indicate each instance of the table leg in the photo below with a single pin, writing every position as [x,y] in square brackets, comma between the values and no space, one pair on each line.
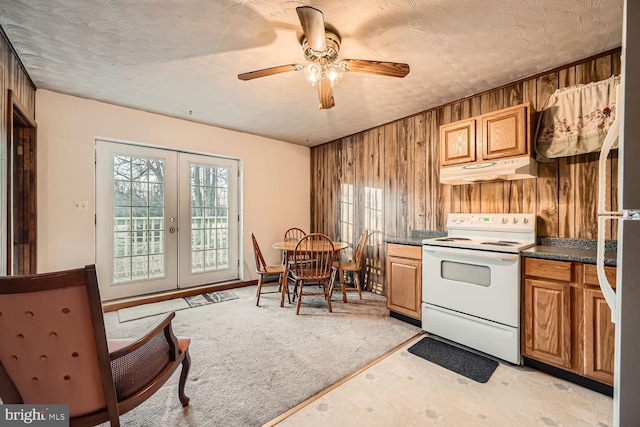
[342,281]
[285,281]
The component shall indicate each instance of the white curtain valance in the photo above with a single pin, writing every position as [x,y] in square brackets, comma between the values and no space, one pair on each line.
[576,119]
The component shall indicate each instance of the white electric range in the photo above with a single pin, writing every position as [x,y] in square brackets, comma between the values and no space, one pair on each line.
[471,281]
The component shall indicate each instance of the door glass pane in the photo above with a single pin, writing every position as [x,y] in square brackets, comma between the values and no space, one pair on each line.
[209,218]
[138,218]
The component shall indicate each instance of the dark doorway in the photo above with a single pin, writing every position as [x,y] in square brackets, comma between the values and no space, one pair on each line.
[22,190]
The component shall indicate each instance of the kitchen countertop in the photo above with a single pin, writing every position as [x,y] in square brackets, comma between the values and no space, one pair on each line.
[578,250]
[587,256]
[416,237]
[559,249]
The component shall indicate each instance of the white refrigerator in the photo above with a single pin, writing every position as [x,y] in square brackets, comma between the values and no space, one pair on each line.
[625,300]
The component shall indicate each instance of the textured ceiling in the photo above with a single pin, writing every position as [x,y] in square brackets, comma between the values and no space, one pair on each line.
[181,58]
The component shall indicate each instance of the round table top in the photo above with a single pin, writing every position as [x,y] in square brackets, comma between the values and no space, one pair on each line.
[291,245]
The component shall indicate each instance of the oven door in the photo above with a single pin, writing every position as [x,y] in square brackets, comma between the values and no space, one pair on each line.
[474,282]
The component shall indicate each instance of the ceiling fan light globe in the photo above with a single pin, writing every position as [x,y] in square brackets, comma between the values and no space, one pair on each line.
[335,75]
[313,73]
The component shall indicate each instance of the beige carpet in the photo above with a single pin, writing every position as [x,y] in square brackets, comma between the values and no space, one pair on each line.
[250,364]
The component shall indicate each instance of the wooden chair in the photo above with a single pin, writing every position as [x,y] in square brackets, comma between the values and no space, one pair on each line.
[318,251]
[267,270]
[55,351]
[293,234]
[354,266]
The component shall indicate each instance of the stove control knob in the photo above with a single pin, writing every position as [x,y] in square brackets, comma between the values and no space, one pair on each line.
[505,220]
[525,220]
[514,220]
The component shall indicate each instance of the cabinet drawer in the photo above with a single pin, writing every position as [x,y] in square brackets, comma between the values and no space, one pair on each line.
[404,251]
[556,270]
[591,275]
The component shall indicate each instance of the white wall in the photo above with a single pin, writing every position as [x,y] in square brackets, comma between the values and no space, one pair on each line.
[276,176]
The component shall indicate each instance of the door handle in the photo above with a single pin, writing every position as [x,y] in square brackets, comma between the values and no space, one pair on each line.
[172,229]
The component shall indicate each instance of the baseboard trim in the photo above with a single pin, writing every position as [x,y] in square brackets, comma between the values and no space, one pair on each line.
[177,293]
[570,376]
[407,319]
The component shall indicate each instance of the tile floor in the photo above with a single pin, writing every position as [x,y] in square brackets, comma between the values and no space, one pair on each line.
[405,390]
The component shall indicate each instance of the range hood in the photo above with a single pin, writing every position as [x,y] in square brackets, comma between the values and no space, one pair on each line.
[523,167]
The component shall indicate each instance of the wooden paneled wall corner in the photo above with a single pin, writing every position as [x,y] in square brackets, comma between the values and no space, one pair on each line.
[394,172]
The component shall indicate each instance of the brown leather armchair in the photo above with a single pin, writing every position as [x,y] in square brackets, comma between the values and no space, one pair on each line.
[55,351]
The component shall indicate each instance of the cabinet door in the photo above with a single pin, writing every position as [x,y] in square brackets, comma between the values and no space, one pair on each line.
[504,133]
[599,337]
[404,286]
[547,322]
[458,142]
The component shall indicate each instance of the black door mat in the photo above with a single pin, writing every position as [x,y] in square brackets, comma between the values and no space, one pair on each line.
[463,362]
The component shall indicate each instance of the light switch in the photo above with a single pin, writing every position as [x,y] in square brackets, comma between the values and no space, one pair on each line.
[81,206]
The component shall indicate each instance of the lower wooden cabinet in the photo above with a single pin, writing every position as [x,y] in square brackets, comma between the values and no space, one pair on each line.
[599,338]
[567,322]
[599,330]
[547,322]
[404,279]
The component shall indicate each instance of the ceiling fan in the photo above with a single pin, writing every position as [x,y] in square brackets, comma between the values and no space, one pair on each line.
[321,48]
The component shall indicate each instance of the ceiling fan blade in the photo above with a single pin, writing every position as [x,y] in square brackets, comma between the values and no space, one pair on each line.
[325,93]
[312,22]
[391,69]
[270,71]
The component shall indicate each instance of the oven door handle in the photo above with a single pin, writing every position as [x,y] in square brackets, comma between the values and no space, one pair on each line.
[443,251]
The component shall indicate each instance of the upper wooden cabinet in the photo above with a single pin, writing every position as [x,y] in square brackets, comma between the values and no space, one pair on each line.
[458,142]
[504,133]
[499,134]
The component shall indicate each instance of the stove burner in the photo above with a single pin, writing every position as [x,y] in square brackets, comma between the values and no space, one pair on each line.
[452,239]
[497,243]
[511,242]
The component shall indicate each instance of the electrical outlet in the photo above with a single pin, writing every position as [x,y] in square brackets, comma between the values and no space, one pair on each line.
[81,206]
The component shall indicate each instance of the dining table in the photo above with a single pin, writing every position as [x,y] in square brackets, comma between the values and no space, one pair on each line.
[288,248]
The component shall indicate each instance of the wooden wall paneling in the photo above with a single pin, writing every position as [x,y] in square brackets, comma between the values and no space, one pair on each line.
[363,168]
[586,179]
[433,172]
[334,179]
[319,175]
[313,156]
[389,146]
[317,188]
[420,172]
[566,175]
[406,195]
[408,200]
[547,194]
[514,190]
[443,198]
[377,208]
[530,186]
[492,192]
[327,169]
[403,169]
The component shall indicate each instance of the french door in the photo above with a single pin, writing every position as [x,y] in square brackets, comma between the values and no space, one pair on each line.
[164,219]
